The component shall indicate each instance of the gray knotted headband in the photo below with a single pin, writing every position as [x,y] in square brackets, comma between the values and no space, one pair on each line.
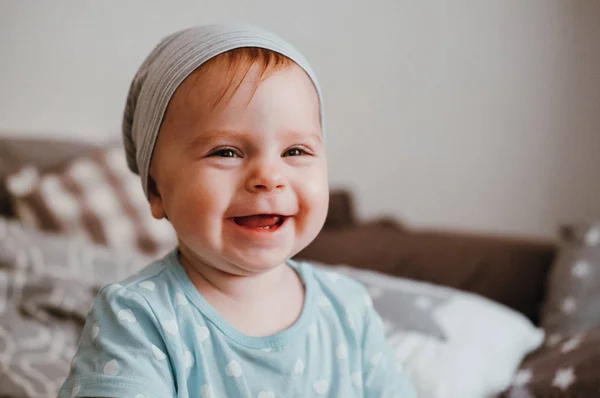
[167,66]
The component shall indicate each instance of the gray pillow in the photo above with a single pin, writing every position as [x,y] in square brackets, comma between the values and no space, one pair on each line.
[573,290]
[47,284]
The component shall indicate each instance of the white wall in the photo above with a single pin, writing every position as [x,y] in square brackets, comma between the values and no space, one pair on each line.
[463,114]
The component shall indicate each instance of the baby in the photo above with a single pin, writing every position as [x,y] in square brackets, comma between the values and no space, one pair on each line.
[224,124]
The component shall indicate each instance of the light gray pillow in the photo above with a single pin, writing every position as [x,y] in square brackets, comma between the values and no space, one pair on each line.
[452,344]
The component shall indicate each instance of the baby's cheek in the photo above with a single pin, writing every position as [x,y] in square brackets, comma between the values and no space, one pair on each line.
[318,198]
[188,210]
[314,206]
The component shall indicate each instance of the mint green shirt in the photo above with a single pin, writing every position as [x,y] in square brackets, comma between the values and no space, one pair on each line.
[154,335]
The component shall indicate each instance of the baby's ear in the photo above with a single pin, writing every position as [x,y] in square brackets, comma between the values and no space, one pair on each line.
[155,200]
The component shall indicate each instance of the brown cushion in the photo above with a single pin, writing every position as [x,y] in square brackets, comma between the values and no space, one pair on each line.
[509,271]
[569,367]
[94,196]
[44,154]
[573,302]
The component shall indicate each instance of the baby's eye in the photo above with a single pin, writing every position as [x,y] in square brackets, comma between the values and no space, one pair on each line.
[225,153]
[295,152]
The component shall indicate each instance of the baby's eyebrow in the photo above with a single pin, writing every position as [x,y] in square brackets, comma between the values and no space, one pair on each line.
[313,135]
[207,137]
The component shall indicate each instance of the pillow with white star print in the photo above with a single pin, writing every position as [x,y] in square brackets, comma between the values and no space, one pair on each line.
[566,366]
[573,291]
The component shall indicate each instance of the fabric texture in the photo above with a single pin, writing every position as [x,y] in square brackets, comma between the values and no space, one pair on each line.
[566,366]
[154,335]
[94,196]
[167,66]
[452,344]
[47,285]
[573,302]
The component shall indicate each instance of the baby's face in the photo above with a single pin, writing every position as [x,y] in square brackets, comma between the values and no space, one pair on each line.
[244,183]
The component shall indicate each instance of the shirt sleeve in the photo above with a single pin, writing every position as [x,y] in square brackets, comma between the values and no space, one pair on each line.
[121,352]
[383,376]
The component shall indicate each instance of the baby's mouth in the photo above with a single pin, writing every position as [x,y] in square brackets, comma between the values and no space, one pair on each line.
[261,221]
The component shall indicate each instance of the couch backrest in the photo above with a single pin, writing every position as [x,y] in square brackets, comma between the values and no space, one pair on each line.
[511,271]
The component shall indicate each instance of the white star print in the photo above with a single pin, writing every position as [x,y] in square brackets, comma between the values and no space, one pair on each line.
[568,305]
[592,238]
[563,378]
[570,344]
[581,269]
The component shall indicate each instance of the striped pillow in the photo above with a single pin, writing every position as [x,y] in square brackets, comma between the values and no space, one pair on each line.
[96,197]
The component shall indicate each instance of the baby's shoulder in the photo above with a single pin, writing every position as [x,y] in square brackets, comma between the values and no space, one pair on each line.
[337,286]
[149,289]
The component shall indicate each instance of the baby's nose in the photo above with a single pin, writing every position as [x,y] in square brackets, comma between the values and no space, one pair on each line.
[266,179]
